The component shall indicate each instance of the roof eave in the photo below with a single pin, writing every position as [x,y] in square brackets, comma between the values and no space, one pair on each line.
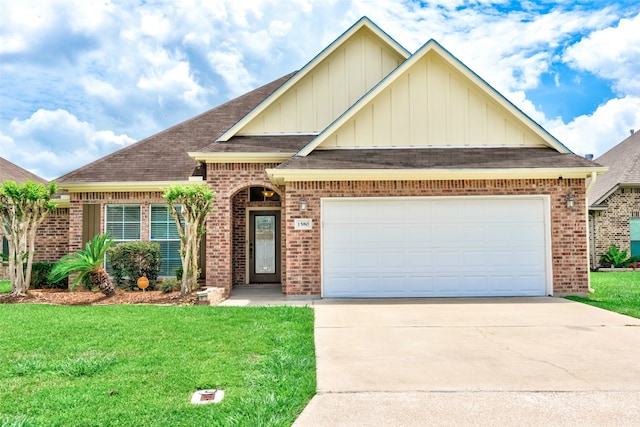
[77,187]
[282,176]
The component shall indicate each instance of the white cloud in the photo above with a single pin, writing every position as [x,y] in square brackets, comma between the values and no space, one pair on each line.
[53,141]
[612,53]
[229,65]
[135,68]
[598,132]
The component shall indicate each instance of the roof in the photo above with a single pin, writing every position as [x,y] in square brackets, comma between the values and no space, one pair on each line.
[433,163]
[13,172]
[260,144]
[623,161]
[438,158]
[164,157]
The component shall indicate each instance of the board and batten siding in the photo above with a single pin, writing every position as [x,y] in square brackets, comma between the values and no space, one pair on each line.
[432,104]
[329,89]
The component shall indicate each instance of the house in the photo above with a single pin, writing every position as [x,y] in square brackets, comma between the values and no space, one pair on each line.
[614,201]
[51,238]
[370,172]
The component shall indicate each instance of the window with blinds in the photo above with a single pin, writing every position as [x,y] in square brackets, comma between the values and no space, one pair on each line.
[164,231]
[122,222]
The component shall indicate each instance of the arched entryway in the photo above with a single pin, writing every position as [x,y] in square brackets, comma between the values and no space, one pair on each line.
[256,236]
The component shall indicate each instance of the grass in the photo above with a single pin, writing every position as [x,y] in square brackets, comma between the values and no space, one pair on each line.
[139,365]
[5,286]
[617,291]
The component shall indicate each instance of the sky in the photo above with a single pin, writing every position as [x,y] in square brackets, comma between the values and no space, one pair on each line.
[80,79]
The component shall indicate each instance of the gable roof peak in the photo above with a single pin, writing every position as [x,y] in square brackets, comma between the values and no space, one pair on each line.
[364,22]
[433,46]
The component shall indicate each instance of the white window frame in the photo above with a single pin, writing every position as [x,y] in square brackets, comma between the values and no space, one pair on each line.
[152,239]
[106,222]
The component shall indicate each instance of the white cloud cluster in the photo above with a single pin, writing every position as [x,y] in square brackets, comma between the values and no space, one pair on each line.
[612,53]
[130,69]
[50,143]
[598,132]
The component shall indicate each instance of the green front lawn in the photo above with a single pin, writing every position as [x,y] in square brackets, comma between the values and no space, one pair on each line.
[139,365]
[5,286]
[618,291]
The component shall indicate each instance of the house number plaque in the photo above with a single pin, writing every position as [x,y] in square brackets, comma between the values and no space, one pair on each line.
[303,224]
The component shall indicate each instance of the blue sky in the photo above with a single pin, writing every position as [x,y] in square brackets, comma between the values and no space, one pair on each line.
[81,78]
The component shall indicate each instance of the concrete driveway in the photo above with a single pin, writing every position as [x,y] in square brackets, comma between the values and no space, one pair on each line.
[498,361]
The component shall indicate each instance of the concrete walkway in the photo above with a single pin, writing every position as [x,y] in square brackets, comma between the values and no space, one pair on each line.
[508,361]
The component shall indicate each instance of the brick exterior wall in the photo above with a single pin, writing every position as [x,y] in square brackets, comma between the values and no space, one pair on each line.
[229,181]
[52,237]
[301,271]
[143,198]
[568,227]
[52,240]
[611,226]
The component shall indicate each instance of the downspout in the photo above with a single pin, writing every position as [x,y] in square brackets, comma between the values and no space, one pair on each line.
[591,182]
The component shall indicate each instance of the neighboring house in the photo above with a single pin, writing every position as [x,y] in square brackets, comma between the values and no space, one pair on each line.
[370,172]
[614,201]
[52,237]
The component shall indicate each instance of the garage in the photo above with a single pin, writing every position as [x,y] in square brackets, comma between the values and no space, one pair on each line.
[436,246]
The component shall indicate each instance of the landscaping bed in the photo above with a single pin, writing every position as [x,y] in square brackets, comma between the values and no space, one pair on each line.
[83,297]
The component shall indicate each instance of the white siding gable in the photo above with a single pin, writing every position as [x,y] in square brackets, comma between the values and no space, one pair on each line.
[329,88]
[433,100]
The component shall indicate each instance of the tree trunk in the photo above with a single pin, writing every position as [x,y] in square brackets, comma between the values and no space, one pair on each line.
[102,281]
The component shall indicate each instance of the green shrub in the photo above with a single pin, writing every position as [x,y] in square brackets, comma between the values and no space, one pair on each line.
[132,260]
[40,277]
[614,257]
[169,285]
[179,274]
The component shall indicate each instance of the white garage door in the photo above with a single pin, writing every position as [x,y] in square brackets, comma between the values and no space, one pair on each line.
[435,247]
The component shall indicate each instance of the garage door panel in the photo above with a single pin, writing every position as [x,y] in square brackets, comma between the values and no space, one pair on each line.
[446,235]
[446,259]
[434,246]
[365,261]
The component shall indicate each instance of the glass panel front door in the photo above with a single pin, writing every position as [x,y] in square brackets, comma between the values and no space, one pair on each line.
[265,243]
[264,247]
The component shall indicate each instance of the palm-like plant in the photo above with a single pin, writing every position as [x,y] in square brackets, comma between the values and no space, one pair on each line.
[88,265]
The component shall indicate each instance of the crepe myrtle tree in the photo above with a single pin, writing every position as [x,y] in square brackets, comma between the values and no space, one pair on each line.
[193,203]
[23,207]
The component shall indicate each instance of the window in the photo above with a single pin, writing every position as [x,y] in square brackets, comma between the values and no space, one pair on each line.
[164,231]
[263,194]
[634,225]
[4,249]
[122,222]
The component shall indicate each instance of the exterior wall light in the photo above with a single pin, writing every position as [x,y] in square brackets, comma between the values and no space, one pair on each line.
[570,201]
[303,205]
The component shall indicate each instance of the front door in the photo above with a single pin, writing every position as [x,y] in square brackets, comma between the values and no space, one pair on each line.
[264,246]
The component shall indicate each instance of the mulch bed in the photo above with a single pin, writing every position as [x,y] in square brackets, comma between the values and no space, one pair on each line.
[83,297]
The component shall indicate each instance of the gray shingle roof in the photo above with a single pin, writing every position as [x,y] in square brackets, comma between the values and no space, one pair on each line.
[260,144]
[438,158]
[623,161]
[13,172]
[163,157]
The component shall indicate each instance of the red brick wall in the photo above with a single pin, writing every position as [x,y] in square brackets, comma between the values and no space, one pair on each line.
[229,180]
[52,237]
[143,198]
[568,228]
